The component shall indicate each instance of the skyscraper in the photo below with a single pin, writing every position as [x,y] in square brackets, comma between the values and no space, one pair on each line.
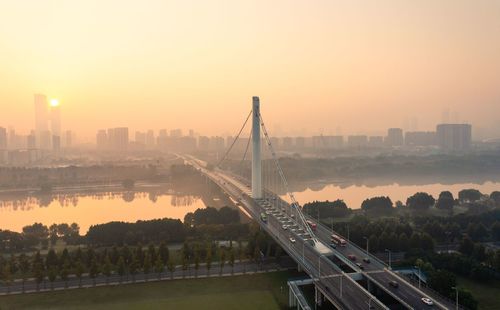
[3,138]
[454,137]
[394,137]
[55,118]
[41,113]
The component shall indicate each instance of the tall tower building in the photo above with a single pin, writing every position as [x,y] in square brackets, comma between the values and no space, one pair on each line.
[3,138]
[41,113]
[55,118]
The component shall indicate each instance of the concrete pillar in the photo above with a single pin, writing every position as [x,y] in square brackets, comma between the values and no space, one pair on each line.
[256,154]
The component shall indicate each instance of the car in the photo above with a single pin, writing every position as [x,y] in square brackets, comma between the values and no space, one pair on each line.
[427,301]
[284,227]
[366,260]
[351,257]
[292,240]
[292,216]
[394,284]
[333,245]
[360,266]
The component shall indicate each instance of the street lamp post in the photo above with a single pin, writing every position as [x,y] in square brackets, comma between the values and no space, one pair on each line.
[367,244]
[389,251]
[347,232]
[419,276]
[456,296]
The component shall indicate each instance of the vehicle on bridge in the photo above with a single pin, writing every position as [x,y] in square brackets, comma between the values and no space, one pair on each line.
[312,225]
[263,217]
[338,240]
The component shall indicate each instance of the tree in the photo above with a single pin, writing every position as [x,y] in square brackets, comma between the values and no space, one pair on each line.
[24,266]
[196,262]
[466,246]
[495,230]
[163,252]
[53,234]
[146,268]
[52,276]
[495,196]
[232,257]
[79,269]
[65,273]
[38,272]
[171,267]
[106,268]
[469,195]
[442,281]
[222,257]
[121,267]
[466,299]
[445,201]
[185,265]
[134,265]
[5,276]
[94,270]
[377,205]
[420,201]
[158,266]
[208,260]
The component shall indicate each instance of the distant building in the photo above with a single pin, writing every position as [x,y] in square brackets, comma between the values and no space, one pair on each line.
[376,141]
[55,120]
[394,137]
[102,140]
[118,138]
[287,143]
[300,142]
[3,138]
[203,143]
[140,137]
[31,140]
[68,138]
[217,144]
[420,138]
[357,141]
[176,133]
[56,143]
[454,137]
[150,139]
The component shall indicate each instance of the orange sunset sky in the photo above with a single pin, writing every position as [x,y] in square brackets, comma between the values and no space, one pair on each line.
[325,66]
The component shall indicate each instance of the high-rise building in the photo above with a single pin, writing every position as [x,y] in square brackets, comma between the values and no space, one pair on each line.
[150,139]
[56,143]
[3,138]
[420,138]
[454,137]
[68,139]
[55,118]
[102,139]
[41,113]
[31,140]
[119,139]
[357,141]
[43,135]
[203,143]
[394,137]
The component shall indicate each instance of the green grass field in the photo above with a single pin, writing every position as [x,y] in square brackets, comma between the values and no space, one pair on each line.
[260,291]
[485,293]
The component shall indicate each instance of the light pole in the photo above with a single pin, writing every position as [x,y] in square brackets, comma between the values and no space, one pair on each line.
[389,251]
[341,284]
[347,232]
[456,298]
[367,244]
[419,275]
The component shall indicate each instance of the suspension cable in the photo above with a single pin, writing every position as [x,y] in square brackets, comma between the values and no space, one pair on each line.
[245,154]
[294,204]
[234,141]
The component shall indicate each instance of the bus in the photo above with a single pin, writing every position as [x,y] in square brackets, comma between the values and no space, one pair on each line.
[312,225]
[338,240]
[263,217]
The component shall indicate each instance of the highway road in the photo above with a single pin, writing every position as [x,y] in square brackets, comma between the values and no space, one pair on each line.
[338,287]
[375,271]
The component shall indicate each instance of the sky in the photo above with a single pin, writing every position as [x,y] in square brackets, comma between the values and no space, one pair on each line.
[323,66]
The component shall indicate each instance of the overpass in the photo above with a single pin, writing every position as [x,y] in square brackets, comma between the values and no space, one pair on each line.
[334,273]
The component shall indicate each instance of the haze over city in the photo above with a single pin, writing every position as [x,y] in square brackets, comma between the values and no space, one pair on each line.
[191,64]
[250,154]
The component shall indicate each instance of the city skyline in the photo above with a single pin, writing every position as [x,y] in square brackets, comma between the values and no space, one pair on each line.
[179,64]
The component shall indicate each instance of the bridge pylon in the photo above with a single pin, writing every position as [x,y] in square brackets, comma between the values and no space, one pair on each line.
[256,153]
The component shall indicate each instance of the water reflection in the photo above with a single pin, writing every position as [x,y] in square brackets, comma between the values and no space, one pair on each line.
[354,194]
[94,207]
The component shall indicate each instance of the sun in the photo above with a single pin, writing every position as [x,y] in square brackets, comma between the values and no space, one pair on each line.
[54,102]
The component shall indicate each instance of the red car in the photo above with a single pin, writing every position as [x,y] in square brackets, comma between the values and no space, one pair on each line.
[351,257]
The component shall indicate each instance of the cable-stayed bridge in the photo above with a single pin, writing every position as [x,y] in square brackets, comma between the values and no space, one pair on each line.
[345,275]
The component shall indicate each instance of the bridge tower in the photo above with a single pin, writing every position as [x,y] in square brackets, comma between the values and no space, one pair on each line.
[256,154]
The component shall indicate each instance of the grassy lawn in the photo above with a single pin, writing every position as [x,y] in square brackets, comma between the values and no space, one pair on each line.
[260,291]
[485,293]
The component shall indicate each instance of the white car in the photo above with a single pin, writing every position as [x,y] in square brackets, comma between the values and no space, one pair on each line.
[427,301]
[284,227]
[292,240]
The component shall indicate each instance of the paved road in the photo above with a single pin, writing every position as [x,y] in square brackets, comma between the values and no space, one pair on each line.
[345,293]
[375,271]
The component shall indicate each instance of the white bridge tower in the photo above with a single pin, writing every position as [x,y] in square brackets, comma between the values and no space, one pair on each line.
[256,155]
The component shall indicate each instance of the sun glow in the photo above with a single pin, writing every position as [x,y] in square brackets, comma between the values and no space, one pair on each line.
[54,102]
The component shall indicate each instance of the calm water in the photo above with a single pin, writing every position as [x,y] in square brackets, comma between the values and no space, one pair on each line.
[354,195]
[87,210]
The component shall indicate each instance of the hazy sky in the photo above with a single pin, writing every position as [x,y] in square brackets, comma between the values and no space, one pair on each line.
[357,66]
